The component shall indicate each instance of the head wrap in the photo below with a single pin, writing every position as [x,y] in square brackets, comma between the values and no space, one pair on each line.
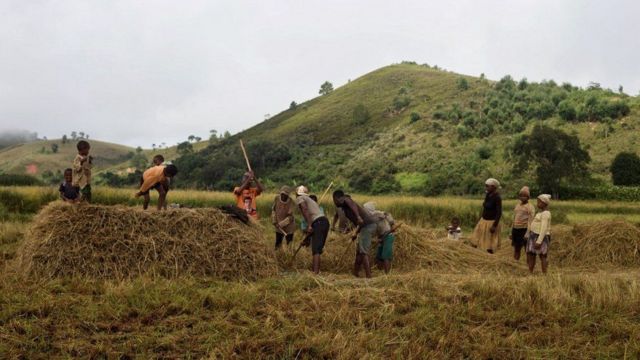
[302,190]
[545,198]
[525,191]
[285,190]
[494,182]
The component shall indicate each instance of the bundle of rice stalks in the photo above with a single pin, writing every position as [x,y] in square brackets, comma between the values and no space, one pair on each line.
[117,242]
[413,249]
[605,242]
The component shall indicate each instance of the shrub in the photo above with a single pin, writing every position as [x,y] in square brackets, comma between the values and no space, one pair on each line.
[360,114]
[484,152]
[414,117]
[401,102]
[18,180]
[566,110]
[625,169]
[463,84]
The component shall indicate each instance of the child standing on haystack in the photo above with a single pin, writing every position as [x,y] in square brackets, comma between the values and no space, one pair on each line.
[156,178]
[246,194]
[282,216]
[540,234]
[81,176]
[523,215]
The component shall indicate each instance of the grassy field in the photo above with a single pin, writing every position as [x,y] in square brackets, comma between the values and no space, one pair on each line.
[578,313]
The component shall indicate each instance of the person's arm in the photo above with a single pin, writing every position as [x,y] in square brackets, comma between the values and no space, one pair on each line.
[307,217]
[77,164]
[532,214]
[545,218]
[352,205]
[61,190]
[498,213]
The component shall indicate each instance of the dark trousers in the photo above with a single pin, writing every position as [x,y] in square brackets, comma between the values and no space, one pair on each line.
[280,236]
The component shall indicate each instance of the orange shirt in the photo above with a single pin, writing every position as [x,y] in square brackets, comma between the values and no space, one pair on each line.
[151,177]
[247,200]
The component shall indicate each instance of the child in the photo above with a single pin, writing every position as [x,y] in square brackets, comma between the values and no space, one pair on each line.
[68,192]
[156,178]
[453,230]
[386,227]
[540,235]
[523,215]
[246,194]
[82,165]
[282,216]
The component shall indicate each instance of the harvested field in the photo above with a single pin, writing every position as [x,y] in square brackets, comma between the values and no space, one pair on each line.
[116,242]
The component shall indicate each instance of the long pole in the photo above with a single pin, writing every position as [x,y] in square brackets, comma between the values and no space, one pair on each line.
[325,192]
[246,158]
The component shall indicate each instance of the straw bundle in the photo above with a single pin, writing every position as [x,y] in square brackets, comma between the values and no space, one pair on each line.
[413,249]
[605,242]
[117,242]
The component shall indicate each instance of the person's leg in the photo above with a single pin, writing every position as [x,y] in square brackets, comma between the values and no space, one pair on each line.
[544,263]
[162,196]
[517,250]
[289,238]
[387,266]
[279,237]
[316,264]
[147,199]
[366,264]
[357,264]
[531,261]
[490,251]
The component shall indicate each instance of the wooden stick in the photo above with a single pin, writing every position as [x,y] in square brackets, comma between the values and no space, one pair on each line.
[246,158]
[325,192]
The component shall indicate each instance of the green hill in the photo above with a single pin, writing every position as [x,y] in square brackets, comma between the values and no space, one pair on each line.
[414,128]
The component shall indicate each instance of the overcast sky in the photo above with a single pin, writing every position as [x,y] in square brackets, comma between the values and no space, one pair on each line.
[143,72]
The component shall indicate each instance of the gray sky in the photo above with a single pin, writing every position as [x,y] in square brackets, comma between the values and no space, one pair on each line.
[143,72]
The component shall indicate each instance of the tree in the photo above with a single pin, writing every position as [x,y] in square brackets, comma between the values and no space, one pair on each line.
[625,169]
[81,134]
[566,110]
[463,84]
[74,135]
[139,161]
[555,156]
[198,139]
[54,148]
[293,105]
[360,114]
[64,139]
[191,138]
[213,136]
[185,147]
[226,135]
[326,88]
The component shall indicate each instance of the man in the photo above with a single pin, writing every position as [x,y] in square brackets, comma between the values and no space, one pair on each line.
[366,228]
[246,194]
[282,216]
[385,228]
[317,224]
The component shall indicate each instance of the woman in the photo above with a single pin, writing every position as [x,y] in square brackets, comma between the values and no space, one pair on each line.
[523,215]
[540,235]
[486,234]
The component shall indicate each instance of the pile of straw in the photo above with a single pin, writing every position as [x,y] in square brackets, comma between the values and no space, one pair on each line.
[117,242]
[614,243]
[413,249]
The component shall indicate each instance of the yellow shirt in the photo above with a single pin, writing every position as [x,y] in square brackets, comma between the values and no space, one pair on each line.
[151,177]
[81,176]
[523,216]
[541,225]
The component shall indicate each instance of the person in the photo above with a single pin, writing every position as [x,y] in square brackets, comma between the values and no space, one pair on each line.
[68,192]
[317,224]
[303,222]
[339,219]
[156,178]
[366,227]
[282,217]
[486,234]
[385,228]
[82,165]
[454,232]
[540,235]
[246,194]
[523,214]
[158,160]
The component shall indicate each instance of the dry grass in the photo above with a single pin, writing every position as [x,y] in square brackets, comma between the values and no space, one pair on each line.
[120,242]
[614,243]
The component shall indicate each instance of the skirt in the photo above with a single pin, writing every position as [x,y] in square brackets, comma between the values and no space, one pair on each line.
[483,238]
[531,249]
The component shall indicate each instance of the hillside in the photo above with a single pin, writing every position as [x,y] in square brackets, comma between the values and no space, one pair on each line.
[415,128]
[37,157]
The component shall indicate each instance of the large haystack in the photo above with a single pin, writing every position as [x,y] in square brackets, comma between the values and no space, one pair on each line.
[414,249]
[615,243]
[117,242]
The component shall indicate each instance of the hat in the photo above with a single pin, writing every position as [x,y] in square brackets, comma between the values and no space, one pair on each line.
[525,191]
[285,190]
[494,182]
[545,198]
[302,190]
